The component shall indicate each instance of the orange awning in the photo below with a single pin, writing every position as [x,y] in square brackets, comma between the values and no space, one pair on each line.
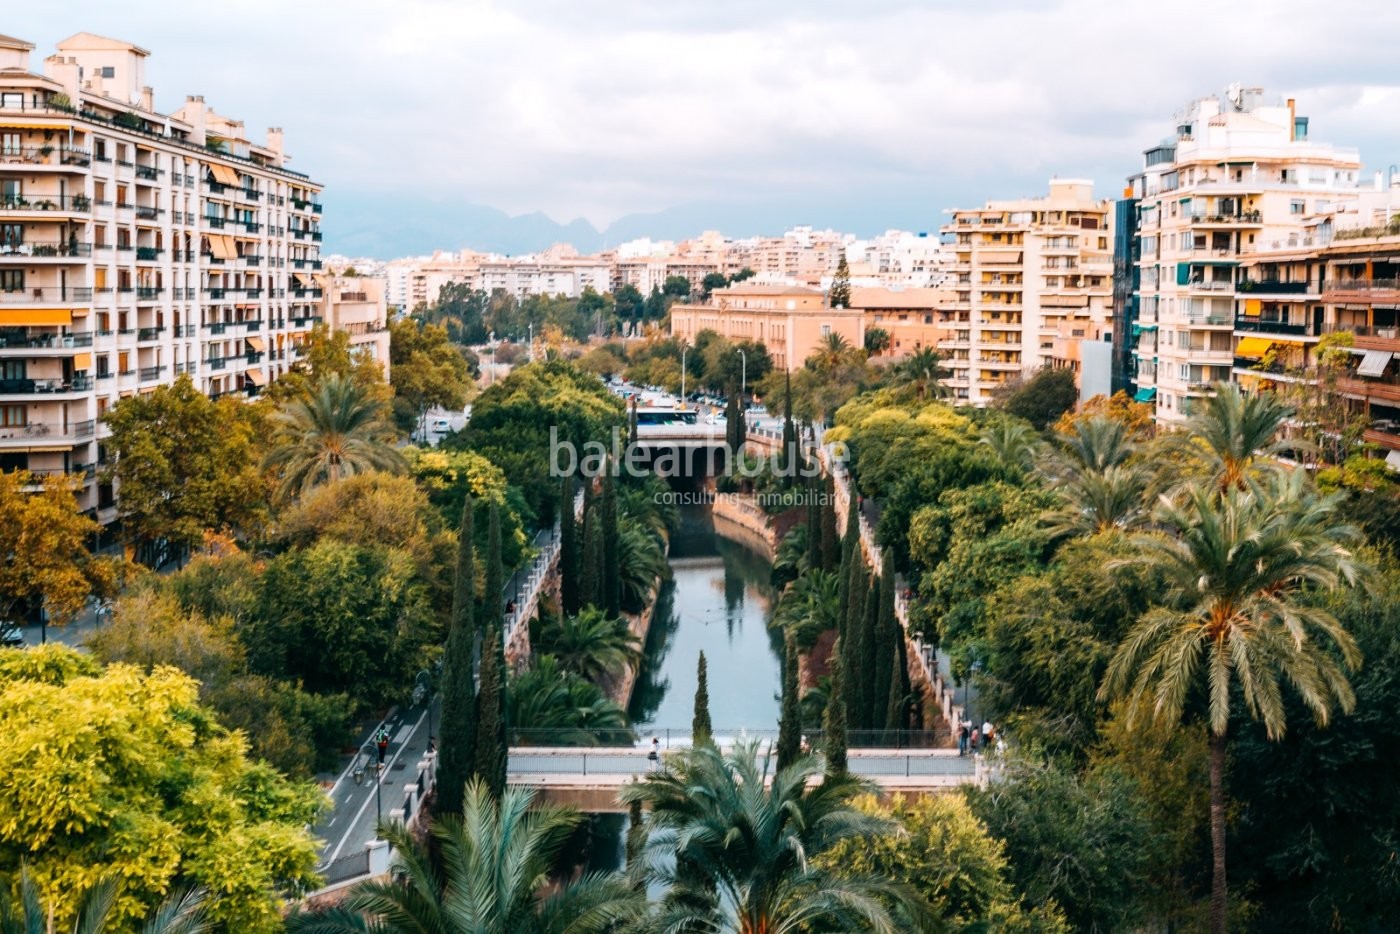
[82,361]
[258,376]
[256,343]
[1252,307]
[22,317]
[305,280]
[222,246]
[1253,347]
[225,175]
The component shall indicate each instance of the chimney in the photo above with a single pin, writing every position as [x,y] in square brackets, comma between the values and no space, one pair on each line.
[148,100]
[65,71]
[1292,119]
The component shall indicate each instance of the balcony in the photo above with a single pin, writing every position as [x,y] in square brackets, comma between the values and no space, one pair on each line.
[1384,433]
[1273,287]
[147,293]
[147,172]
[148,213]
[31,387]
[28,338]
[1372,291]
[148,373]
[1270,326]
[1244,218]
[1386,389]
[48,431]
[45,156]
[39,204]
[149,334]
[217,223]
[46,249]
[67,295]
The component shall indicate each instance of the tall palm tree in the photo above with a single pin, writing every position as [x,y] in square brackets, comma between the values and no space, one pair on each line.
[1097,443]
[923,369]
[1236,435]
[338,431]
[641,561]
[591,644]
[1235,563]
[551,707]
[832,351]
[809,607]
[495,866]
[737,854]
[183,912]
[1096,501]
[1014,442]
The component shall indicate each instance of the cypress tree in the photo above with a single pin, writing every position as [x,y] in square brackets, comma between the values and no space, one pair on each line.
[456,746]
[569,555]
[790,723]
[814,523]
[733,424]
[834,722]
[831,542]
[886,635]
[894,704]
[612,569]
[787,463]
[591,562]
[855,622]
[490,761]
[870,702]
[632,425]
[701,730]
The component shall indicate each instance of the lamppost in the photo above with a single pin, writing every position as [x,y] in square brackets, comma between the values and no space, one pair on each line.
[371,758]
[743,375]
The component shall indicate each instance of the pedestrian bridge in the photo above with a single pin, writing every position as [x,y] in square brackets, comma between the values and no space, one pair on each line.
[590,778]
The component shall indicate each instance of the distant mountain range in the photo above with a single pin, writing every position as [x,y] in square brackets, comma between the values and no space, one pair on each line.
[385,227]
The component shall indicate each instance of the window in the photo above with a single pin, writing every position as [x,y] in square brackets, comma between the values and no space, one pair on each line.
[10,144]
[107,71]
[826,330]
[11,415]
[11,236]
[1296,207]
[11,280]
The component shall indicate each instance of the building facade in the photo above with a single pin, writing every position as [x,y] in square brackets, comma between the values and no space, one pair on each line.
[911,317]
[356,306]
[1030,279]
[1239,180]
[135,247]
[790,321]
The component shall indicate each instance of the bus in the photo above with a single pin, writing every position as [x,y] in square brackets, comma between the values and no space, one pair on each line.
[661,416]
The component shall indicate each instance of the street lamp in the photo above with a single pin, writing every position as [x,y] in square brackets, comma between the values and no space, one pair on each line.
[743,374]
[371,758]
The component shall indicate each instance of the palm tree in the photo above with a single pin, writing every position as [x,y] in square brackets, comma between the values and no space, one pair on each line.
[181,913]
[339,431]
[810,607]
[1097,501]
[737,855]
[923,369]
[1097,443]
[1235,562]
[495,866]
[1014,442]
[591,644]
[1237,435]
[832,351]
[790,560]
[551,707]
[641,562]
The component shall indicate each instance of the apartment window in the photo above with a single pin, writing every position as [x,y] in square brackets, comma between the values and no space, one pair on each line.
[10,144]
[1183,372]
[11,415]
[11,236]
[13,369]
[1296,207]
[107,71]
[826,330]
[11,280]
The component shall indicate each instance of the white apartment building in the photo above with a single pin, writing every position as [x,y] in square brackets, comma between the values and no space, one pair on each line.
[1031,279]
[135,246]
[897,259]
[1239,178]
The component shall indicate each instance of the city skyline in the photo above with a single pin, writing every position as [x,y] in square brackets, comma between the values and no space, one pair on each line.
[507,129]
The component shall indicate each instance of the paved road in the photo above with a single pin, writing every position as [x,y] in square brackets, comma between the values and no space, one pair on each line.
[350,823]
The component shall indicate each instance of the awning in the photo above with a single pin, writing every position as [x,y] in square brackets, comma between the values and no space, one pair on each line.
[222,246]
[225,175]
[258,376]
[999,256]
[1146,394]
[1252,307]
[82,361]
[1374,363]
[1253,346]
[305,280]
[21,317]
[257,343]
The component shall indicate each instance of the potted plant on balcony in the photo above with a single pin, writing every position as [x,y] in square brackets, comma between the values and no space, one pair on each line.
[45,151]
[80,203]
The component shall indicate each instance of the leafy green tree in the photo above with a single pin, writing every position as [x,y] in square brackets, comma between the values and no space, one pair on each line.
[712,281]
[113,772]
[461,310]
[185,465]
[489,762]
[1013,441]
[790,721]
[1043,398]
[590,644]
[326,352]
[946,854]
[629,303]
[338,432]
[44,559]
[676,287]
[839,295]
[741,856]
[495,866]
[457,745]
[1235,563]
[425,369]
[701,730]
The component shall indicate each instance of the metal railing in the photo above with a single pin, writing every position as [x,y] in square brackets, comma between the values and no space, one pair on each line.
[54,430]
[26,296]
[40,386]
[24,337]
[39,249]
[34,202]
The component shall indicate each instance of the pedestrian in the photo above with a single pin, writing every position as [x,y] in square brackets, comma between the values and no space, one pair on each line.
[654,757]
[975,737]
[986,732]
[381,742]
[963,734]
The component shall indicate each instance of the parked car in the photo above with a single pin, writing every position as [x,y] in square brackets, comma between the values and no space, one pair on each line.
[716,418]
[441,426]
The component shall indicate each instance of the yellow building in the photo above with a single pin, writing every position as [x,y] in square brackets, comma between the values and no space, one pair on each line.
[1028,275]
[790,321]
[135,246]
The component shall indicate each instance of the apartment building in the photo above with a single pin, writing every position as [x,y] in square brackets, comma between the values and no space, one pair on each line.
[135,246]
[356,305]
[1239,180]
[790,321]
[911,317]
[801,256]
[897,259]
[1031,278]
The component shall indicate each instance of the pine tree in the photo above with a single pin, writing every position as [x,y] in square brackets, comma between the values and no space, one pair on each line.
[834,722]
[831,542]
[790,723]
[612,569]
[839,295]
[569,550]
[490,760]
[701,730]
[456,748]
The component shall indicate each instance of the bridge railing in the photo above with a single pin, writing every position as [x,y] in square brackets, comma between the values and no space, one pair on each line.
[607,766]
[640,737]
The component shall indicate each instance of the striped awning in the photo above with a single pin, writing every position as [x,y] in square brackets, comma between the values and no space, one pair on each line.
[1374,363]
[225,175]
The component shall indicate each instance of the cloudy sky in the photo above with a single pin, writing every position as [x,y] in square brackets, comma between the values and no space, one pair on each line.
[667,116]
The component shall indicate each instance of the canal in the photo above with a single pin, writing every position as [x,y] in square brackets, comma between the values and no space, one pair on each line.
[718,600]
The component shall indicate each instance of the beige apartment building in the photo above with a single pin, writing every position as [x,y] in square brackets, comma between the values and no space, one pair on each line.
[356,306]
[791,321]
[1030,277]
[1238,182]
[135,246]
[911,317]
